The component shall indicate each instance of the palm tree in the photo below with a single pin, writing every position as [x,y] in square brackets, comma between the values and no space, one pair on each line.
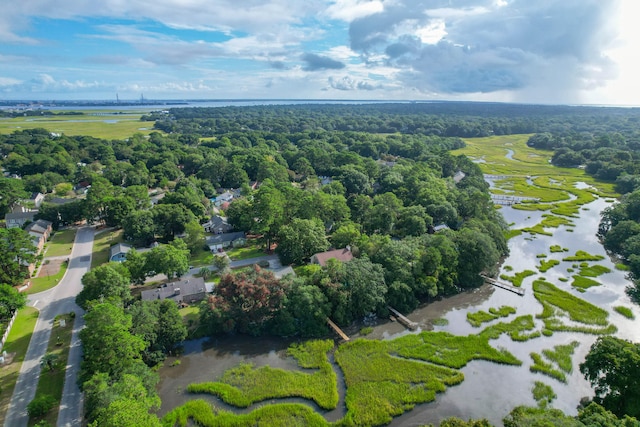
[49,361]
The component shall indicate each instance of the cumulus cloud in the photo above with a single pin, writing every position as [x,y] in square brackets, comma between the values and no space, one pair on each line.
[347,83]
[485,46]
[315,62]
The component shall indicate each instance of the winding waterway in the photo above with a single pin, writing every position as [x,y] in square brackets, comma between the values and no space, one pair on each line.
[489,390]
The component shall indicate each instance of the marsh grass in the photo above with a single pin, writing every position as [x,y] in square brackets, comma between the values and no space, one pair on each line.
[578,309]
[479,317]
[202,413]
[622,267]
[515,329]
[543,394]
[561,355]
[539,365]
[381,386]
[452,351]
[625,311]
[516,279]
[244,385]
[593,270]
[557,248]
[546,265]
[583,283]
[582,256]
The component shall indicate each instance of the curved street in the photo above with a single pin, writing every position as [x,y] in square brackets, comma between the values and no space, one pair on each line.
[57,300]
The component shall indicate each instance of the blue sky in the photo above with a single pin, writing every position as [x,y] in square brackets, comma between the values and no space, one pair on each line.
[546,51]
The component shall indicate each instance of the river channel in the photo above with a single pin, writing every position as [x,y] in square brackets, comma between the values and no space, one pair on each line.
[489,390]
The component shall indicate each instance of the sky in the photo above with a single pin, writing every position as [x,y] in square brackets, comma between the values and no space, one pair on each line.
[530,51]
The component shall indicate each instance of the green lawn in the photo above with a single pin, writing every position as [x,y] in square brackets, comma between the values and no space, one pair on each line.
[17,343]
[39,284]
[61,243]
[201,258]
[250,251]
[52,382]
[125,125]
[101,245]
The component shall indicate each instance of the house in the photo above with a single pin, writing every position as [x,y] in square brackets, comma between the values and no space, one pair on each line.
[342,255]
[36,199]
[225,197]
[218,242]
[459,176]
[186,291]
[440,227]
[19,219]
[118,252]
[218,225]
[61,201]
[40,231]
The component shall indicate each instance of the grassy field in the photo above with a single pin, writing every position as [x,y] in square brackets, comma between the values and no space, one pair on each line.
[101,245]
[191,318]
[51,382]
[39,284]
[17,344]
[98,123]
[61,243]
[201,258]
[252,250]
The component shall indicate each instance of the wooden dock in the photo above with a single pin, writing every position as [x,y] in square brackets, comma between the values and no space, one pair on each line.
[503,285]
[338,331]
[402,319]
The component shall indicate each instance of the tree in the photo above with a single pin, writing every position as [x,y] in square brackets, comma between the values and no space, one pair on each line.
[365,285]
[104,282]
[49,361]
[10,300]
[136,263]
[11,191]
[107,344]
[194,237]
[16,253]
[244,302]
[140,227]
[309,309]
[171,259]
[612,367]
[268,205]
[301,239]
[170,329]
[347,234]
[221,262]
[476,253]
[171,219]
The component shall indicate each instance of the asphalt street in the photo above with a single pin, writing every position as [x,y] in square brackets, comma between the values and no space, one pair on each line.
[57,300]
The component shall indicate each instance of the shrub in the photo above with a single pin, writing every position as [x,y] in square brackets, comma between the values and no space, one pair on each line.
[41,405]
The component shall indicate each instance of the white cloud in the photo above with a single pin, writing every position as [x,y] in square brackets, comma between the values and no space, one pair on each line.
[348,10]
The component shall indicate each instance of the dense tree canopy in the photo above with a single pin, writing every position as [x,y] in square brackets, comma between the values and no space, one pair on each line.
[612,367]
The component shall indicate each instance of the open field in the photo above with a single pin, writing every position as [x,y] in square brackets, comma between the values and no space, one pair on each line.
[98,123]
[40,284]
[16,347]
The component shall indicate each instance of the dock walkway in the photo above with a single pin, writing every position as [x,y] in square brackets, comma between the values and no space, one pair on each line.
[503,285]
[337,329]
[402,319]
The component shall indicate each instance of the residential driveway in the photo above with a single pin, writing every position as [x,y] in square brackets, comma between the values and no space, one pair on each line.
[55,301]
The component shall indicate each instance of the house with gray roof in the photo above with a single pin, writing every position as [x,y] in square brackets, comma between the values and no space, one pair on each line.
[218,242]
[118,252]
[218,225]
[19,219]
[185,291]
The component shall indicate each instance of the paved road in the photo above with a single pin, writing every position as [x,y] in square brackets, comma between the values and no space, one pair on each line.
[55,301]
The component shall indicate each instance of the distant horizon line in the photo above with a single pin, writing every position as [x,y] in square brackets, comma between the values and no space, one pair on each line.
[169,101]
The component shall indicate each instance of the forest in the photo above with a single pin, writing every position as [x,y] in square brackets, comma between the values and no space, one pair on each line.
[377,179]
